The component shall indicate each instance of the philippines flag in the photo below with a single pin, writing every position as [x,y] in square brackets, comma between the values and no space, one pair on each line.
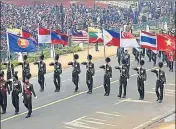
[57,38]
[148,40]
[111,38]
[44,35]
[127,40]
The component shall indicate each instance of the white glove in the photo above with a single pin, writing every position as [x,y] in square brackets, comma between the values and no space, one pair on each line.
[11,79]
[22,97]
[35,97]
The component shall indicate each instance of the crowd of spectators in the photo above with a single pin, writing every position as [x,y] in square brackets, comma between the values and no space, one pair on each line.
[78,16]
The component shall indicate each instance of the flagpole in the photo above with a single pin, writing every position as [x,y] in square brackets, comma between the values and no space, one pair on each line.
[7,36]
[104,44]
[38,38]
[88,38]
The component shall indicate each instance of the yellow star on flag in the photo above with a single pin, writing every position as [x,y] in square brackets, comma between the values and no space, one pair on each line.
[107,36]
[169,43]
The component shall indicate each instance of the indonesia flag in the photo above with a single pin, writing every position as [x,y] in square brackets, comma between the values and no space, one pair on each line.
[111,38]
[148,40]
[44,35]
[127,40]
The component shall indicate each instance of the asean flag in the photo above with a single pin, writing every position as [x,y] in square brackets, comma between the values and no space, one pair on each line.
[165,42]
[111,38]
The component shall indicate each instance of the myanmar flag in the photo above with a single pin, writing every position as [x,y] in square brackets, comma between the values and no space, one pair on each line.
[95,35]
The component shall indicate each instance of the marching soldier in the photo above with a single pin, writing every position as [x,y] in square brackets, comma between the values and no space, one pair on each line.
[154,58]
[124,76]
[3,93]
[127,60]
[41,72]
[160,82]
[17,89]
[120,53]
[76,71]
[149,54]
[142,76]
[171,61]
[28,90]
[25,68]
[107,76]
[90,73]
[10,72]
[57,72]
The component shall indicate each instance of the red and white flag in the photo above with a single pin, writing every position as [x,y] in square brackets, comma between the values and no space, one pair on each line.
[127,40]
[44,35]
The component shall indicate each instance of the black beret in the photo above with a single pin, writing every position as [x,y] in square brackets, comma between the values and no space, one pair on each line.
[142,62]
[25,57]
[76,56]
[89,57]
[108,59]
[123,61]
[57,57]
[42,57]
[160,64]
[28,76]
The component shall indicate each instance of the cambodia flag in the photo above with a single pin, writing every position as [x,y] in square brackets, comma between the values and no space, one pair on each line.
[57,38]
[165,42]
[111,38]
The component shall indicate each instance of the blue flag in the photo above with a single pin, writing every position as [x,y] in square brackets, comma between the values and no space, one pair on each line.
[19,44]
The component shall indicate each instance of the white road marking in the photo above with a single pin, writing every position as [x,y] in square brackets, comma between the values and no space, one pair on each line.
[155,93]
[70,128]
[141,125]
[138,101]
[99,123]
[96,119]
[108,114]
[122,101]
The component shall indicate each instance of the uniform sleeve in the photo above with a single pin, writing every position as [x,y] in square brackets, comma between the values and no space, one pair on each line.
[51,64]
[164,77]
[29,67]
[136,69]
[154,70]
[19,83]
[32,90]
[145,75]
[60,68]
[20,63]
[7,87]
[44,68]
[36,63]
[70,63]
[110,68]
[4,63]
[93,69]
[84,63]
[102,67]
[117,67]
[79,69]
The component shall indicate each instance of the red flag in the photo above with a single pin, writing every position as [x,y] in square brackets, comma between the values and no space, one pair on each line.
[165,42]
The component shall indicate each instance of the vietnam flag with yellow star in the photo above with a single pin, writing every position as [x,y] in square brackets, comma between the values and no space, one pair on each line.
[165,42]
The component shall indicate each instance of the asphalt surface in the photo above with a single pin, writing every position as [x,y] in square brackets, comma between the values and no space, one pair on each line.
[69,110]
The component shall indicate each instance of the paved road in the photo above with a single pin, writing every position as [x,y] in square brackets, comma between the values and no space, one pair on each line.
[68,110]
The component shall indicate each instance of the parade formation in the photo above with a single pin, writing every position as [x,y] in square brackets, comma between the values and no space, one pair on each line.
[14,87]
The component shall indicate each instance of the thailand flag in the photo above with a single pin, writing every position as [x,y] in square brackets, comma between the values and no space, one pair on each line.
[59,38]
[44,35]
[148,40]
[111,38]
[127,40]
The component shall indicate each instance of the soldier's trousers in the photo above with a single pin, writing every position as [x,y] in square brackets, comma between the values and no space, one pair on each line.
[143,52]
[154,59]
[119,60]
[57,81]
[28,103]
[141,88]
[15,101]
[171,65]
[41,81]
[149,56]
[137,58]
[89,81]
[123,83]
[75,80]
[107,85]
[160,86]
[23,77]
[3,101]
